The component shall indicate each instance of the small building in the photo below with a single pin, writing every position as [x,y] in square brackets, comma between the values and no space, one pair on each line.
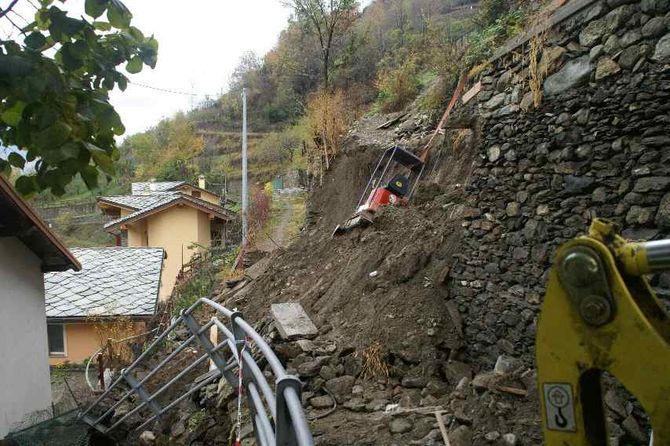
[181,218]
[113,295]
[28,249]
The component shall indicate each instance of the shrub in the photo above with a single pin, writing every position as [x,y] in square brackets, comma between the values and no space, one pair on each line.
[483,43]
[398,86]
[259,211]
[328,116]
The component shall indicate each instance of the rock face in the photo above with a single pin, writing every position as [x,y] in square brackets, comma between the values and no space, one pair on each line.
[599,145]
[574,73]
[662,52]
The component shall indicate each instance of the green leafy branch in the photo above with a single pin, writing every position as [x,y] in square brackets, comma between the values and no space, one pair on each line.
[54,93]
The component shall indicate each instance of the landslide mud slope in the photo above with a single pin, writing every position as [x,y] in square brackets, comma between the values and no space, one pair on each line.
[385,285]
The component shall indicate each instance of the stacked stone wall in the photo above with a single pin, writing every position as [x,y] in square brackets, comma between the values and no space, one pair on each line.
[598,145]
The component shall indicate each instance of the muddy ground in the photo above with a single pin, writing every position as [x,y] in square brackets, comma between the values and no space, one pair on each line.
[385,285]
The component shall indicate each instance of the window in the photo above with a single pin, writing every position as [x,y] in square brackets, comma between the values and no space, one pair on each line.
[56,334]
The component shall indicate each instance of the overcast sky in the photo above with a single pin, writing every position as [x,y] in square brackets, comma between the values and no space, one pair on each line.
[200,43]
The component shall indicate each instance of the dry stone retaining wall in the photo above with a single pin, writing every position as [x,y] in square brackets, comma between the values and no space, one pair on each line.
[598,145]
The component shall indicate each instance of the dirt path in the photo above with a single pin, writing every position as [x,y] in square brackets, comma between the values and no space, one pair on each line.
[287,215]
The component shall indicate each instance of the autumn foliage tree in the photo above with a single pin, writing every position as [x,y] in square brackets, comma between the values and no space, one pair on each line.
[167,151]
[328,115]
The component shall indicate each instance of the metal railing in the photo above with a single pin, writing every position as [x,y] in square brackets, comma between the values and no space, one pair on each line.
[277,416]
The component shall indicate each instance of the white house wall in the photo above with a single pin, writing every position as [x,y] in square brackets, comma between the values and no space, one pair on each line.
[25,390]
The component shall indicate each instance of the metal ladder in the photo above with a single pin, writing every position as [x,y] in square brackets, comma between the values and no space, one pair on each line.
[277,415]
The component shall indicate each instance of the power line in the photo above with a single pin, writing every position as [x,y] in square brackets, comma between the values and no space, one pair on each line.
[9,8]
[167,90]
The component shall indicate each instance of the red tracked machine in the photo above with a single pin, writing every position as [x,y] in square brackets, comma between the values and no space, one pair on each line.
[392,183]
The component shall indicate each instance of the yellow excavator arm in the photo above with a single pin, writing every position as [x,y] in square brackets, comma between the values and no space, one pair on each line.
[600,314]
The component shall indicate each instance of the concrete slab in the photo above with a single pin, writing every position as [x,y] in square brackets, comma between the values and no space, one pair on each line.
[292,321]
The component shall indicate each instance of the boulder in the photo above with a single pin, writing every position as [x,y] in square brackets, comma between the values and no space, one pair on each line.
[597,29]
[321,402]
[573,74]
[509,439]
[352,365]
[640,215]
[493,153]
[513,209]
[551,57]
[310,368]
[506,365]
[654,27]
[631,37]
[496,101]
[663,214]
[492,436]
[327,372]
[147,438]
[612,45]
[527,101]
[629,57]
[649,184]
[575,184]
[355,404]
[341,387]
[592,33]
[662,51]
[414,381]
[606,67]
[461,436]
[455,371]
[655,6]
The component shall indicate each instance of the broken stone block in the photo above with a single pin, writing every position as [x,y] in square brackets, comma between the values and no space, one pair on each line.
[292,322]
[507,364]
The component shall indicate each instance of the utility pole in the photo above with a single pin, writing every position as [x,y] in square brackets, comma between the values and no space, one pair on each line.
[245,192]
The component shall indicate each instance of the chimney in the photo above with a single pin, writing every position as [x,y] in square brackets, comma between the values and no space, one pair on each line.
[201,182]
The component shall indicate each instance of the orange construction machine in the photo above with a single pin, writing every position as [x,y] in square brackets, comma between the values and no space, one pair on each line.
[393,183]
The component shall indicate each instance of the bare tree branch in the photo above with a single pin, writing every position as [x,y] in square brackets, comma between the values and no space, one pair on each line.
[3,12]
[324,16]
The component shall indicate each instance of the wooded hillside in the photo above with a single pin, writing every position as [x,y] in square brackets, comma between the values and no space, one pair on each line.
[380,59]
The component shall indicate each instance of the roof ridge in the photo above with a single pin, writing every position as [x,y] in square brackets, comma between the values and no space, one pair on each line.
[119,247]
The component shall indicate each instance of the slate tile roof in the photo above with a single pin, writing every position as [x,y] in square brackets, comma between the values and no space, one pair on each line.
[138,202]
[167,200]
[113,281]
[151,187]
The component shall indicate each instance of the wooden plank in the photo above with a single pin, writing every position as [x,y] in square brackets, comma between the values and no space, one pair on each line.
[471,93]
[443,428]
[513,390]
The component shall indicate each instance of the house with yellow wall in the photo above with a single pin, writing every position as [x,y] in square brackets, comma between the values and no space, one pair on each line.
[181,218]
[113,295]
